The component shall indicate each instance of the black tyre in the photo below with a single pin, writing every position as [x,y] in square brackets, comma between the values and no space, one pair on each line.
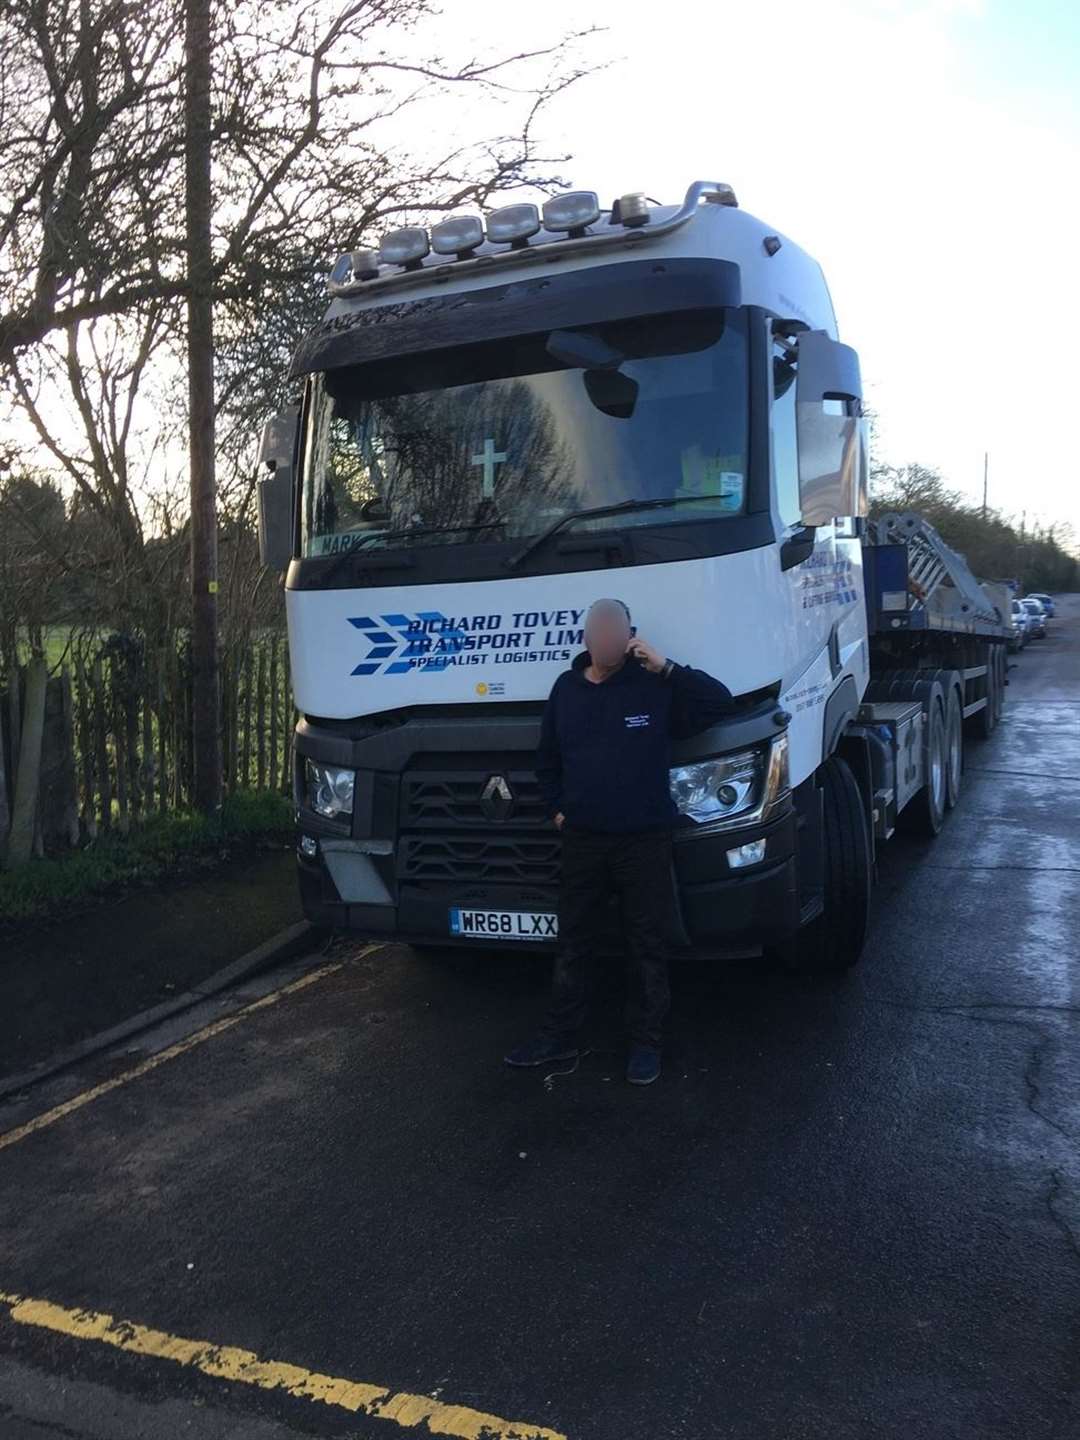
[954,745]
[925,814]
[834,941]
[984,721]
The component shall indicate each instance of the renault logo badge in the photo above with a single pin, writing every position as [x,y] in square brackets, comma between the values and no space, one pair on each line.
[497,799]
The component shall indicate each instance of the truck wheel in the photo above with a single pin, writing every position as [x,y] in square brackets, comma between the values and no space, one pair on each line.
[951,689]
[834,941]
[954,747]
[926,813]
[984,720]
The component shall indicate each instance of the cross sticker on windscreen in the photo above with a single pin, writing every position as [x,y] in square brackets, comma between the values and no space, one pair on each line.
[489,457]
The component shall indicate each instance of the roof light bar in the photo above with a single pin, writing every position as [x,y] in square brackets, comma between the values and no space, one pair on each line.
[574,215]
[572,212]
[513,224]
[404,247]
[458,236]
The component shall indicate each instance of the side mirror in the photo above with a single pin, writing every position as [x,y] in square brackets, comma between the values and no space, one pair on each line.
[797,548]
[275,491]
[832,435]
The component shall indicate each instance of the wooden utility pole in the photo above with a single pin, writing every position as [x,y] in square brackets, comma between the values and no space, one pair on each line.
[206,684]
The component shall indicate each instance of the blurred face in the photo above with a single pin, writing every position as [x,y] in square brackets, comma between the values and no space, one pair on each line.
[607,632]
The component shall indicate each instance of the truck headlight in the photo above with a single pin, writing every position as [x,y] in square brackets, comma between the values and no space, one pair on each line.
[743,786]
[329,789]
[715,789]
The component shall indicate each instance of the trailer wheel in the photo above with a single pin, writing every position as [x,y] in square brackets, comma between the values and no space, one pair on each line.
[952,689]
[954,746]
[926,813]
[834,941]
[984,720]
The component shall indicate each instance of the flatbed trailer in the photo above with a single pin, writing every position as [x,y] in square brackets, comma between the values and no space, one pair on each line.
[938,669]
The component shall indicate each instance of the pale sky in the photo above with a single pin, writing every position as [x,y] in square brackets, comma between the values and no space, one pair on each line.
[926,152]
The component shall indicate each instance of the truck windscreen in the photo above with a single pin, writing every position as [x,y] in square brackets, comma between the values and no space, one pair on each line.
[497,441]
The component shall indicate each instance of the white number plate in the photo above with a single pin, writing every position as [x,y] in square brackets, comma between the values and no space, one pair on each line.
[504,924]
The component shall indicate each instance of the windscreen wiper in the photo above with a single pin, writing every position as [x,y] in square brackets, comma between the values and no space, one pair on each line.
[622,507]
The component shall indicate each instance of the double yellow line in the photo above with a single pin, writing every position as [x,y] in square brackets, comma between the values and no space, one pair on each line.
[244,1367]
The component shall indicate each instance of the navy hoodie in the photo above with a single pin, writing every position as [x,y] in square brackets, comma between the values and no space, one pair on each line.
[605,748]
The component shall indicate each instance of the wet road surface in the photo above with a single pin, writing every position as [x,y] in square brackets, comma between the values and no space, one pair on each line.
[850,1208]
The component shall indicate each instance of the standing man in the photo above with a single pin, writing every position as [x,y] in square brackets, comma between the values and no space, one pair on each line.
[603,771]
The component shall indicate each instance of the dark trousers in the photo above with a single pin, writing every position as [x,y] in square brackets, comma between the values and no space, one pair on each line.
[636,869]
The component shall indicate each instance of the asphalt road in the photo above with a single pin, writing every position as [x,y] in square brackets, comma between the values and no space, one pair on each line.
[849,1209]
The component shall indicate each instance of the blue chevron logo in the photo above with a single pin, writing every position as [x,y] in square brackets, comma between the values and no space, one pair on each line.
[399,643]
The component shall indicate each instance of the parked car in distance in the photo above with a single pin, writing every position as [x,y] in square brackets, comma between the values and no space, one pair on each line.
[1021,622]
[1046,601]
[1038,617]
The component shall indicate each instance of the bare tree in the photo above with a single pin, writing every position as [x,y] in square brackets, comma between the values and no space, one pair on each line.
[34,562]
[95,239]
[92,145]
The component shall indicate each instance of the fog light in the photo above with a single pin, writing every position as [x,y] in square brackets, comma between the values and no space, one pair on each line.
[457,236]
[514,223]
[356,265]
[407,246]
[309,846]
[572,211]
[750,854]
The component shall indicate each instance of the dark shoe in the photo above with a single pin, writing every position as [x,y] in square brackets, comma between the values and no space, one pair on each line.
[643,1067]
[542,1051]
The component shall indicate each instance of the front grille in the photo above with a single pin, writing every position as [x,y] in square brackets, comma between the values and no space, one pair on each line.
[452,798]
[494,858]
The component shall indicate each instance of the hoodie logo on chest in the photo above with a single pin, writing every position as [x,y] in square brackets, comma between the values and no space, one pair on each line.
[636,722]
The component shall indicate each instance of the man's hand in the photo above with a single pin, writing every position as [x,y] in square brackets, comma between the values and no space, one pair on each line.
[642,651]
[560,820]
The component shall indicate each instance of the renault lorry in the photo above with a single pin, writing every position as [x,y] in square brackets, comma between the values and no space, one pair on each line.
[504,417]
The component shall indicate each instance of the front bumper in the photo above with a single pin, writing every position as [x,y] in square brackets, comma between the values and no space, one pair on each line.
[399,870]
[719,908]
[725,907]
